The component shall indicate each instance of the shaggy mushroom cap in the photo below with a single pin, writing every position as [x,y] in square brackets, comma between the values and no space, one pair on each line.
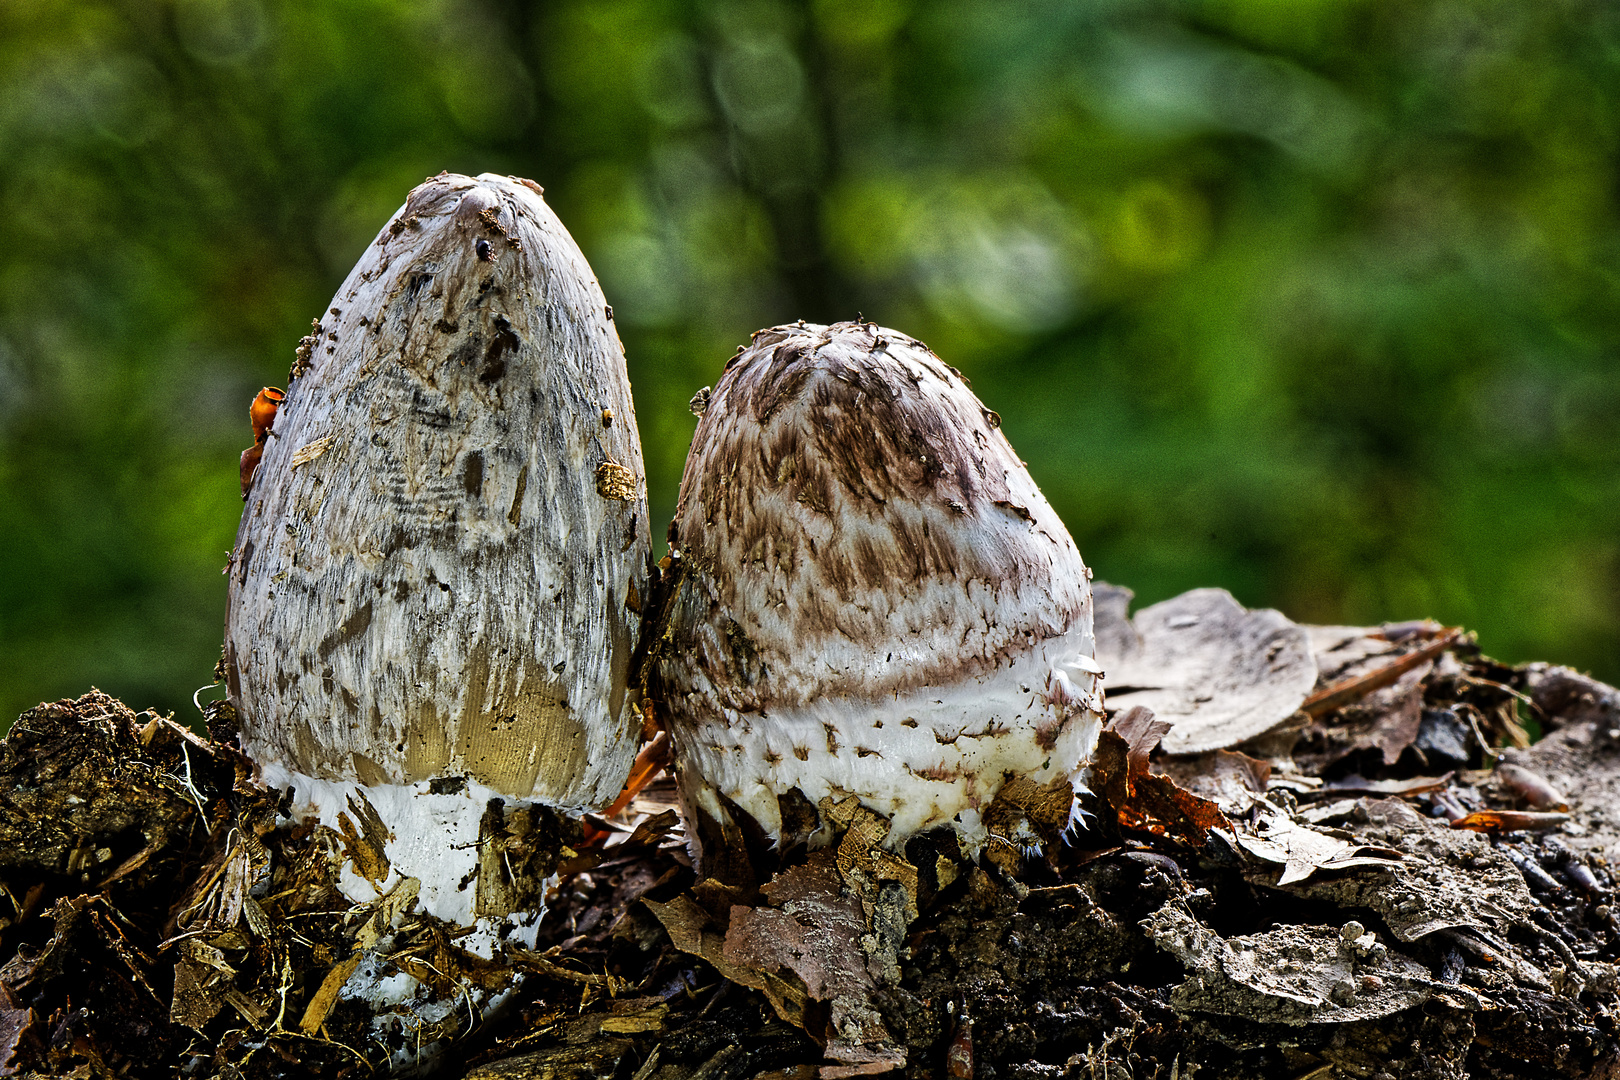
[873,599]
[434,588]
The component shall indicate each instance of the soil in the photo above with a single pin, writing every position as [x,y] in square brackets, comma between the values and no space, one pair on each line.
[1239,915]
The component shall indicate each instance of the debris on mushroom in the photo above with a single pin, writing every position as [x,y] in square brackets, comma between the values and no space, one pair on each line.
[261,415]
[870,597]
[428,640]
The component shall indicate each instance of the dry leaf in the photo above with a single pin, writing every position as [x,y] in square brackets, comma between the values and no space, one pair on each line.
[654,830]
[1373,697]
[1119,775]
[1453,878]
[692,931]
[1233,781]
[1301,850]
[811,938]
[21,1031]
[1220,673]
[1142,731]
[200,974]
[827,939]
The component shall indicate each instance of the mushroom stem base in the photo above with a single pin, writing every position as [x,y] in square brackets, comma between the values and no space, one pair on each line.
[481,859]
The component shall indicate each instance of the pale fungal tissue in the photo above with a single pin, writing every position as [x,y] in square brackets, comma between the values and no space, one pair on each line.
[434,596]
[871,598]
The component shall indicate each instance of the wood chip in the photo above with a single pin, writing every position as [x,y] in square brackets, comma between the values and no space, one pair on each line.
[326,997]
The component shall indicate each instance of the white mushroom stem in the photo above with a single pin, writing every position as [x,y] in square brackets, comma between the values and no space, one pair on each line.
[434,835]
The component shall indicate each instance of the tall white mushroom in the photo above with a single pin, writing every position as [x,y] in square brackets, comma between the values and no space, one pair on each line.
[433,595]
[873,599]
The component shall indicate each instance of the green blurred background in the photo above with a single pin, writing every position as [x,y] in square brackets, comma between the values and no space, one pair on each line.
[1315,300]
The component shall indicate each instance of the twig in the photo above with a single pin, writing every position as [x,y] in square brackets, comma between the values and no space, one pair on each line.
[1343,693]
[1498,821]
[530,959]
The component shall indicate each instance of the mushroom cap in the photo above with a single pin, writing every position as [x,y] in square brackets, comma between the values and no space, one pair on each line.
[432,588]
[874,597]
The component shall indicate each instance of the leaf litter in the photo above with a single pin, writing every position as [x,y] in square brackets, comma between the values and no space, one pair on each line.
[1294,898]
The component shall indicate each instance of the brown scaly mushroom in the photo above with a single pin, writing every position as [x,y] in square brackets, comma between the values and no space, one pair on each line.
[434,591]
[871,598]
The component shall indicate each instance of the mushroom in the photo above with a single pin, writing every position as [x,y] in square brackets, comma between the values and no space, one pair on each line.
[434,590]
[870,598]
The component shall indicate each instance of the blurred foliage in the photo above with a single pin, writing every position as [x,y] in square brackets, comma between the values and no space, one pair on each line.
[1314,300]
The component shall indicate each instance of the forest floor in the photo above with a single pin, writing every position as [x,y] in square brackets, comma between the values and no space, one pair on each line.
[1400,883]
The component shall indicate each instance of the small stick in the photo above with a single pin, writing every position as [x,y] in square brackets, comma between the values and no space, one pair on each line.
[1343,693]
[1495,821]
[653,759]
